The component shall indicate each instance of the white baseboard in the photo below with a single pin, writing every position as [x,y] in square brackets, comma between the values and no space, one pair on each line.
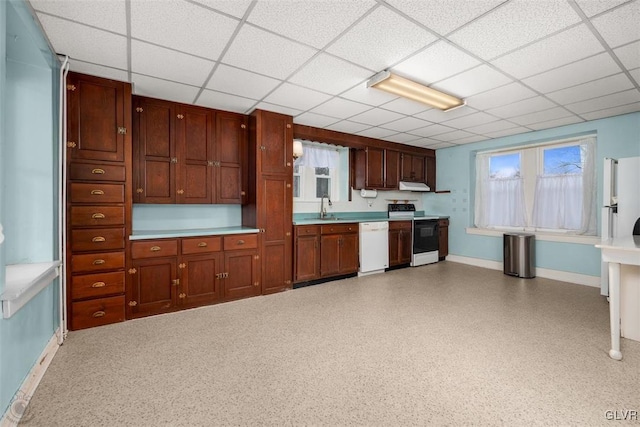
[563,276]
[31,382]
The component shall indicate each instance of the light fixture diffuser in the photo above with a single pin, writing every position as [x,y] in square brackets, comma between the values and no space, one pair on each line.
[406,88]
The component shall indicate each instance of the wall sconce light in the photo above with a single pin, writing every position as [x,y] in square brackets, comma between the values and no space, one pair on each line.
[406,88]
[297,149]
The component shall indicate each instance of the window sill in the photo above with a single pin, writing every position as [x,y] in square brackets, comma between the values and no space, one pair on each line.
[547,237]
[25,281]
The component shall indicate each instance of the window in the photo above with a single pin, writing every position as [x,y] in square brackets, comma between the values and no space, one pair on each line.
[317,172]
[546,188]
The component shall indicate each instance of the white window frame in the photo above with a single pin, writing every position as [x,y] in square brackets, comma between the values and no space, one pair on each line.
[308,179]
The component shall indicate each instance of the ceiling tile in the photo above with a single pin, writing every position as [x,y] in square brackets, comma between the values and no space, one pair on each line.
[149,86]
[400,138]
[609,112]
[593,89]
[223,101]
[315,120]
[619,26]
[503,95]
[369,96]
[515,24]
[526,106]
[444,16]
[242,83]
[265,53]
[471,139]
[555,123]
[85,43]
[98,70]
[473,81]
[405,106]
[635,74]
[573,74]
[492,127]
[608,101]
[429,143]
[507,132]
[329,74]
[629,55]
[376,132]
[436,116]
[593,7]
[470,120]
[277,109]
[164,22]
[440,145]
[552,52]
[380,40]
[541,116]
[439,61]
[167,64]
[432,130]
[348,127]
[406,124]
[109,15]
[235,8]
[296,97]
[340,108]
[376,117]
[453,136]
[292,18]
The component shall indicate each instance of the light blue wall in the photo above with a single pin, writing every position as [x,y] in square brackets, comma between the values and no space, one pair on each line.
[172,217]
[28,186]
[617,137]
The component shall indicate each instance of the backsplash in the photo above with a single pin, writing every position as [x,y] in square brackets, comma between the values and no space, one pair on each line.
[173,217]
[361,205]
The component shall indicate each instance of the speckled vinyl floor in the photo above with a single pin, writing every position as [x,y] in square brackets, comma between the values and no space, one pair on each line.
[442,344]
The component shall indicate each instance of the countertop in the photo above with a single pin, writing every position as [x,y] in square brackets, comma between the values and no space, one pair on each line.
[164,234]
[314,221]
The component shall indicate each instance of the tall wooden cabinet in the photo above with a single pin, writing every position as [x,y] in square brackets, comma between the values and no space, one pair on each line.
[270,195]
[98,173]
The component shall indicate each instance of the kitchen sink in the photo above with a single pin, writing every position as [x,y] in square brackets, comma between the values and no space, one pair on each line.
[330,218]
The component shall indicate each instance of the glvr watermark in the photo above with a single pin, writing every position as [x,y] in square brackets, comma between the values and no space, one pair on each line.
[621,415]
[19,411]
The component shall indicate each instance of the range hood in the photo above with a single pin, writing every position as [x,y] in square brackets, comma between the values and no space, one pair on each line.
[413,186]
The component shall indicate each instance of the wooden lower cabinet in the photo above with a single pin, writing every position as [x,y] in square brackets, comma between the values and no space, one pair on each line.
[200,279]
[443,238]
[97,312]
[307,253]
[399,242]
[153,286]
[241,276]
[338,249]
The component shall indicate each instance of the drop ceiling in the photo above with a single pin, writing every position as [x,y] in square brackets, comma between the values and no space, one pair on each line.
[521,65]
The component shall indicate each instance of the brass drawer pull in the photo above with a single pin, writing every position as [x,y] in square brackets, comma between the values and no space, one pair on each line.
[202,244]
[99,314]
[240,242]
[97,192]
[98,215]
[98,239]
[98,285]
[99,262]
[155,248]
[98,171]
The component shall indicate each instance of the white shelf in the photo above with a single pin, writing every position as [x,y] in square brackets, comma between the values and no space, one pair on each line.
[25,281]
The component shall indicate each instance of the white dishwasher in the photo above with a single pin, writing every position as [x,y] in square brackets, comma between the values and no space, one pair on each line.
[374,247]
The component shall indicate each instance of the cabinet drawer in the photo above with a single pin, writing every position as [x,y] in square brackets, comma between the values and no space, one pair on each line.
[97,312]
[97,285]
[307,230]
[399,225]
[97,193]
[240,241]
[339,228]
[96,215]
[154,248]
[97,239]
[201,245]
[96,172]
[97,262]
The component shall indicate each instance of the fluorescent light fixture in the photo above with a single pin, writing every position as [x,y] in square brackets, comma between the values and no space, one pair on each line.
[406,88]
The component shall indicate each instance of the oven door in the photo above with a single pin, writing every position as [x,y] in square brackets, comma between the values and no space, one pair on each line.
[425,236]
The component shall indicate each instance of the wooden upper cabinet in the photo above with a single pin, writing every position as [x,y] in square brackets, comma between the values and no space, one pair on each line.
[98,118]
[391,169]
[377,168]
[194,129]
[275,143]
[412,167]
[231,146]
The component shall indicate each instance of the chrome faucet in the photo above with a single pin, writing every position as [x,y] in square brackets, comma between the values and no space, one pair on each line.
[323,210]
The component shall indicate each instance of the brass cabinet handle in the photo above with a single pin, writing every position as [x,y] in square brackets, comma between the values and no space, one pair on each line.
[155,248]
[97,192]
[98,285]
[98,239]
[99,314]
[202,244]
[98,262]
[98,215]
[240,242]
[98,171]
[180,191]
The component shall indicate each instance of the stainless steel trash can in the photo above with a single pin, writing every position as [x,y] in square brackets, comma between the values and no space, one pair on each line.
[519,255]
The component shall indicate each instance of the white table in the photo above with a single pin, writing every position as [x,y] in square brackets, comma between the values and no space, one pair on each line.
[622,250]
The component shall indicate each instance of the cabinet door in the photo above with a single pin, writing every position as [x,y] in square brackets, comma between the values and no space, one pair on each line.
[194,139]
[153,286]
[391,169]
[349,261]
[275,143]
[230,146]
[241,275]
[406,165]
[394,247]
[97,117]
[155,151]
[418,168]
[307,258]
[375,168]
[200,279]
[405,246]
[330,255]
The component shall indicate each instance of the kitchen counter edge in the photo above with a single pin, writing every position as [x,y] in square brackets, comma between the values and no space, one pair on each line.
[358,220]
[165,234]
